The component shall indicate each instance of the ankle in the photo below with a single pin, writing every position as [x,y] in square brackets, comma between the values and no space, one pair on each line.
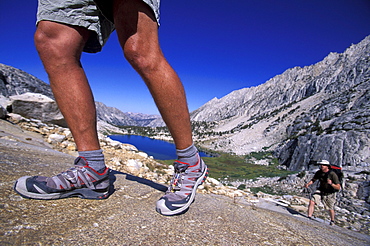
[189,155]
[94,159]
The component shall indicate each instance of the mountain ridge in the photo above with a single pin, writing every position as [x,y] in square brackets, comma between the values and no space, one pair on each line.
[305,113]
[301,104]
[14,81]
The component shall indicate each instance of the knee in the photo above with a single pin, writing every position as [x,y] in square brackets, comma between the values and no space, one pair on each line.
[47,47]
[43,42]
[142,60]
[58,44]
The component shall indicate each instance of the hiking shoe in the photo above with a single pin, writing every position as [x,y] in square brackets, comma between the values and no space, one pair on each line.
[332,222]
[79,181]
[181,192]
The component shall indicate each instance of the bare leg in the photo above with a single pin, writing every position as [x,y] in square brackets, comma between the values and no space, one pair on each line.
[311,207]
[138,35]
[332,214]
[60,47]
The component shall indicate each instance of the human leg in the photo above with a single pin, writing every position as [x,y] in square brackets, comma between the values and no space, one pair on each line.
[329,202]
[60,47]
[314,199]
[332,214]
[137,31]
[311,208]
[64,30]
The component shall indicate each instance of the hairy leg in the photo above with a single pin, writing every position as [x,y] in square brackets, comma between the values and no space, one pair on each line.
[138,35]
[60,48]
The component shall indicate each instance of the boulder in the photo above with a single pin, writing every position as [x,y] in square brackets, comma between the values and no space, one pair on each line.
[133,166]
[3,112]
[3,104]
[56,138]
[37,106]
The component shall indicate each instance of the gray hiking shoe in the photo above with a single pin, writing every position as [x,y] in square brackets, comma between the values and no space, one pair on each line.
[79,181]
[181,192]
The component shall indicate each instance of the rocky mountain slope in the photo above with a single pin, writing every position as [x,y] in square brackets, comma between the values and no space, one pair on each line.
[113,115]
[128,216]
[319,111]
[146,120]
[315,112]
[28,146]
[16,82]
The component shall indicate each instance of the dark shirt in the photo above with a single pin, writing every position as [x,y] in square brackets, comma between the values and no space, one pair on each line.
[323,178]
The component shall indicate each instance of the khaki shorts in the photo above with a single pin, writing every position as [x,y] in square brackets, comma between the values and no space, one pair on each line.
[106,7]
[83,13]
[327,200]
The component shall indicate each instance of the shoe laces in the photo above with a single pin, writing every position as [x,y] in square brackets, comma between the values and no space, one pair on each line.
[184,177]
[178,176]
[73,174]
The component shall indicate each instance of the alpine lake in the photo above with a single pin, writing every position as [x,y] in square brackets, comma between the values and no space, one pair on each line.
[159,149]
[223,166]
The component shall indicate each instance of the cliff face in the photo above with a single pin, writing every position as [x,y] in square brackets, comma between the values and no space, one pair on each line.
[112,115]
[15,82]
[315,112]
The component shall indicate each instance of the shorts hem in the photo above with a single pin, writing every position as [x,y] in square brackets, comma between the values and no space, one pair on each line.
[74,22]
[71,21]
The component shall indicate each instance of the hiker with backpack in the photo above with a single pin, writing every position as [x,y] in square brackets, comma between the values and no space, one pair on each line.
[326,193]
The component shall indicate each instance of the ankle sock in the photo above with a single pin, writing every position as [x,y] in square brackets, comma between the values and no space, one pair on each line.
[95,159]
[188,155]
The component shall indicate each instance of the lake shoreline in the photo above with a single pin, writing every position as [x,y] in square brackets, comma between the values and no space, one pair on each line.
[159,149]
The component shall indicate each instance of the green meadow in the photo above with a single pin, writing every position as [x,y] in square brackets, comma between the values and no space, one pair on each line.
[228,167]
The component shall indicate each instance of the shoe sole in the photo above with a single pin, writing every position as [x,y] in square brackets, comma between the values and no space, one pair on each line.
[184,208]
[84,193]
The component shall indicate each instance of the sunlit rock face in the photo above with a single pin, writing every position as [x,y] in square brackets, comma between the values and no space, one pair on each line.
[315,112]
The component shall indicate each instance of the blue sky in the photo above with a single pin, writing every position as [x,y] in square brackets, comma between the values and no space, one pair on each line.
[216,46]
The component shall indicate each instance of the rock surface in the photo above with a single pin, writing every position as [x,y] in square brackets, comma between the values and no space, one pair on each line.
[306,113]
[128,216]
[15,82]
[352,207]
[112,115]
[38,106]
[3,112]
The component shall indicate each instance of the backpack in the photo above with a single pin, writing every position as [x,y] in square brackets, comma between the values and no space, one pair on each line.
[338,171]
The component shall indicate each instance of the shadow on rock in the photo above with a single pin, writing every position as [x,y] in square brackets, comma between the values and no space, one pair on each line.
[112,178]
